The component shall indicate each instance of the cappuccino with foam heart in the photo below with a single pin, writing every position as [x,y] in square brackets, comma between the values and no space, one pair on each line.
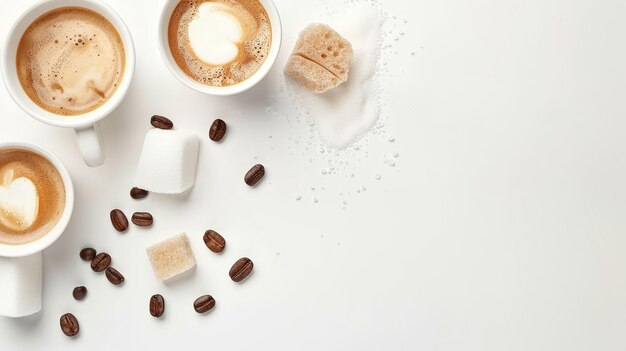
[32,196]
[219,42]
[70,61]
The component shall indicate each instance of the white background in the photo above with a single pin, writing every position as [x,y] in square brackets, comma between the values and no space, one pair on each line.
[502,227]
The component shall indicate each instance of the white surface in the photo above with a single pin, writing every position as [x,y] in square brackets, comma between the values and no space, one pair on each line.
[501,227]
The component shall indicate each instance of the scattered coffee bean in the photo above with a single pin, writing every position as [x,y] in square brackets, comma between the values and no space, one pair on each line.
[69,324]
[241,269]
[119,220]
[161,122]
[217,131]
[115,277]
[214,241]
[101,262]
[79,292]
[87,254]
[254,175]
[157,305]
[142,219]
[204,304]
[138,193]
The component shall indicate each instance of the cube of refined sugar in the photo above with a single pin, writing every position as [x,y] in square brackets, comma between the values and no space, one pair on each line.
[171,257]
[168,161]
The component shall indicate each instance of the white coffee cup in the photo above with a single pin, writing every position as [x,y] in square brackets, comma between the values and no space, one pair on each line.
[21,265]
[88,133]
[166,54]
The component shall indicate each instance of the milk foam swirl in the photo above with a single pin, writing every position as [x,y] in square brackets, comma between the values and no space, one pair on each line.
[239,55]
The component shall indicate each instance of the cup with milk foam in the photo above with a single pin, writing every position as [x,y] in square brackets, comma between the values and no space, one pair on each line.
[21,264]
[220,47]
[86,78]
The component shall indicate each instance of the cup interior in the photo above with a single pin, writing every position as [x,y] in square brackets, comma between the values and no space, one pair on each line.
[12,82]
[49,238]
[171,64]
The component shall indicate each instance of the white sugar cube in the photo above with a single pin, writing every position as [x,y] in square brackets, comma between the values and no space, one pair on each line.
[171,257]
[168,161]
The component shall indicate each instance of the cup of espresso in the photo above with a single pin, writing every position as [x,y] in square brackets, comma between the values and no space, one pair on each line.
[219,47]
[36,203]
[69,63]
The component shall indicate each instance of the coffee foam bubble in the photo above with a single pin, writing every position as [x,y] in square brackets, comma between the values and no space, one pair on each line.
[70,60]
[28,172]
[252,48]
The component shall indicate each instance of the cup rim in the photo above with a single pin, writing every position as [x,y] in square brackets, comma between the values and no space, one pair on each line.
[241,87]
[55,233]
[16,91]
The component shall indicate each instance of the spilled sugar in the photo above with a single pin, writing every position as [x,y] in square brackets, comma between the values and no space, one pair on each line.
[343,132]
[345,113]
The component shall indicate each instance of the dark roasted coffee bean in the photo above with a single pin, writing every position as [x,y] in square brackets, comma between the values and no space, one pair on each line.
[217,131]
[101,262]
[115,277]
[119,220]
[79,292]
[204,304]
[161,122]
[254,175]
[69,324]
[157,305]
[214,241]
[138,193]
[241,269]
[87,254]
[142,219]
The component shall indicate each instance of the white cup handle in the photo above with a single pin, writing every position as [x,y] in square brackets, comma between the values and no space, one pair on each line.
[22,279]
[91,145]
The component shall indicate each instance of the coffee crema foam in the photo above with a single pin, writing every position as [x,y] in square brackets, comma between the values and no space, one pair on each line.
[20,169]
[70,61]
[252,39]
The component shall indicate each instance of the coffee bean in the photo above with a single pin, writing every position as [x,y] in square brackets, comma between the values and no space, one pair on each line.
[79,292]
[69,324]
[161,122]
[254,175]
[241,269]
[214,241]
[115,277]
[157,305]
[119,220]
[142,219]
[217,131]
[138,193]
[87,254]
[101,262]
[204,304]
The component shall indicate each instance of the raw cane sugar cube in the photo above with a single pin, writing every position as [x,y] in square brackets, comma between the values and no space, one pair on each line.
[171,257]
[168,161]
[321,58]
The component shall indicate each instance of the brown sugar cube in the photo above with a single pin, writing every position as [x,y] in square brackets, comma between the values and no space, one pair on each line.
[171,257]
[321,58]
[313,76]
